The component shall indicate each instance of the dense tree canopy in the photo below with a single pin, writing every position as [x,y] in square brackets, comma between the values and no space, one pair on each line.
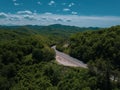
[92,45]
[101,49]
[27,61]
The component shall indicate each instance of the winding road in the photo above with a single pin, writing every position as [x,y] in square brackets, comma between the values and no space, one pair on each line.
[67,60]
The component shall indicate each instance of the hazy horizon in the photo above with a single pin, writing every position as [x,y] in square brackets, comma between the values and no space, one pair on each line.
[87,13]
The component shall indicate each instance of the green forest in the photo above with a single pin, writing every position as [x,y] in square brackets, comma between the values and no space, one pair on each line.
[27,61]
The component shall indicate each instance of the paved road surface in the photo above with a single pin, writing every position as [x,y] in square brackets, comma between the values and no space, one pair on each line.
[67,60]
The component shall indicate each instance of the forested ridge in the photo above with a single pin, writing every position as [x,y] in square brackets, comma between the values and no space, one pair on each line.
[56,33]
[93,45]
[27,61]
[100,50]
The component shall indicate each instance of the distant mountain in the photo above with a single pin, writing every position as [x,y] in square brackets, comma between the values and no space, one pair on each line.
[56,30]
[55,26]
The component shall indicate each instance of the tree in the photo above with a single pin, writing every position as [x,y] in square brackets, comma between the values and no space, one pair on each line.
[37,55]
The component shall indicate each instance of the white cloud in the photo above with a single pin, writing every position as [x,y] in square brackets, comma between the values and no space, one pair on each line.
[35,12]
[14,0]
[43,18]
[59,20]
[48,13]
[66,9]
[14,18]
[74,12]
[3,15]
[68,20]
[71,4]
[16,4]
[29,18]
[39,3]
[51,3]
[24,12]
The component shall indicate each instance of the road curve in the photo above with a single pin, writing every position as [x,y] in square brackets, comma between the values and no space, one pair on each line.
[67,60]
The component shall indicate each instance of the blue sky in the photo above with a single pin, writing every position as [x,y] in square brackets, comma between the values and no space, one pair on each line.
[97,13]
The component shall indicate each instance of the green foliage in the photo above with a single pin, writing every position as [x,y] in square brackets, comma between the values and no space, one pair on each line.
[37,55]
[92,45]
[100,49]
[18,53]
[54,33]
[26,58]
[45,54]
[4,84]
[49,76]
